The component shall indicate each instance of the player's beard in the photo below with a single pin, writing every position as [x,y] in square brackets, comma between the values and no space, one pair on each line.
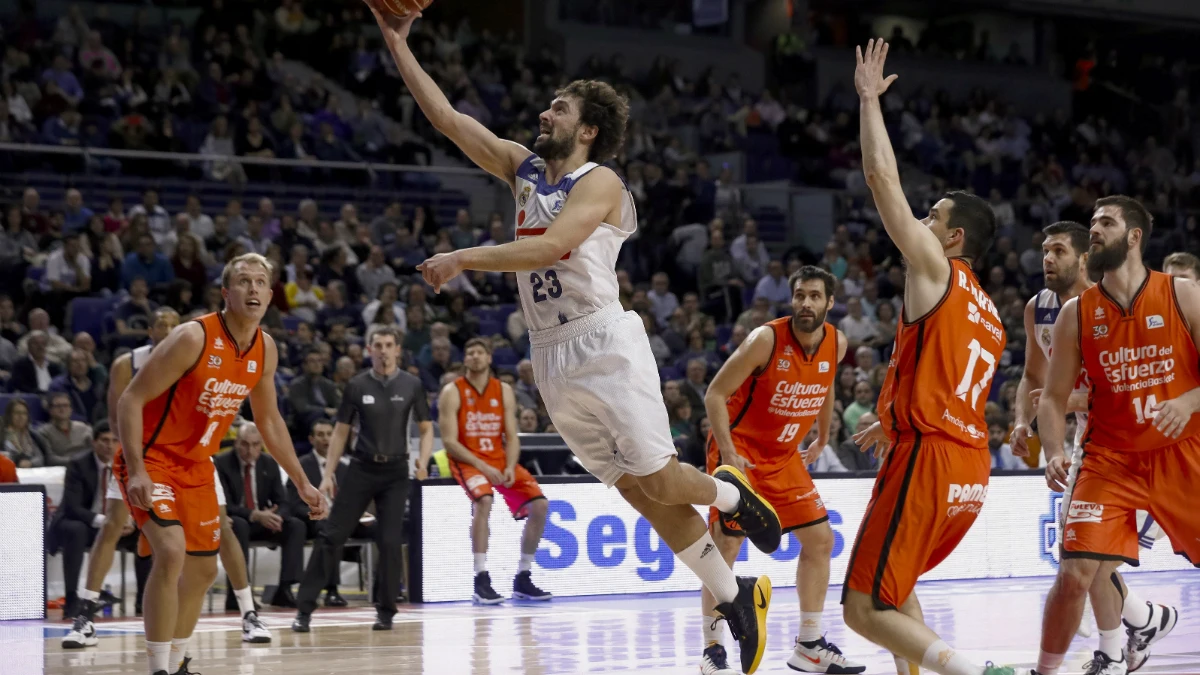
[1107,258]
[1063,280]
[809,323]
[553,148]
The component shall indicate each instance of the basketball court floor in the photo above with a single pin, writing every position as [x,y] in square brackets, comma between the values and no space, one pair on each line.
[996,620]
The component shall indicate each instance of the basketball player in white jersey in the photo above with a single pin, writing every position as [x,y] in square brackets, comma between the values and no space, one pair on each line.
[592,361]
[1064,266]
[83,632]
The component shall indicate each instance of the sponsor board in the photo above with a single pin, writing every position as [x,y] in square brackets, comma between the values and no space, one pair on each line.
[596,544]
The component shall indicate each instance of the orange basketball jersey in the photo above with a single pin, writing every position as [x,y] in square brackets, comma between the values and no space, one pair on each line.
[190,419]
[1136,359]
[481,419]
[942,366]
[772,412]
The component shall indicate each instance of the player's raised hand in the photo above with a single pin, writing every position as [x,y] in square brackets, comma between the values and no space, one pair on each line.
[1057,473]
[874,437]
[1171,417]
[392,25]
[1019,441]
[868,74]
[440,269]
[317,505]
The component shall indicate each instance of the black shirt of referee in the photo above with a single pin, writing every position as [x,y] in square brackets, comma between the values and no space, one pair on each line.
[377,403]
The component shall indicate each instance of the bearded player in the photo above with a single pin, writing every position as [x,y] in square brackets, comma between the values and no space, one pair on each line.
[83,632]
[172,417]
[761,404]
[1135,333]
[592,360]
[1064,266]
[477,414]
[932,436]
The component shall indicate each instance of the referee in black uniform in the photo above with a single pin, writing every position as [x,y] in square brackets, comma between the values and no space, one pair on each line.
[378,403]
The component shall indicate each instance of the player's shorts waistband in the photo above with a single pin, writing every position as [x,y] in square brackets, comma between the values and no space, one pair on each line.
[573,329]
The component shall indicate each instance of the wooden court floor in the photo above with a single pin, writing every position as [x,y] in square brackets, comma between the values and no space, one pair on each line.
[994,620]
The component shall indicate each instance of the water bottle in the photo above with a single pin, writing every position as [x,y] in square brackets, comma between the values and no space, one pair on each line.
[108,605]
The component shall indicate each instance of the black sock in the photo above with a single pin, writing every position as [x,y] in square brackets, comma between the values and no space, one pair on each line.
[88,609]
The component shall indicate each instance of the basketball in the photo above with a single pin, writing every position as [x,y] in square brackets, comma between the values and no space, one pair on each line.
[401,7]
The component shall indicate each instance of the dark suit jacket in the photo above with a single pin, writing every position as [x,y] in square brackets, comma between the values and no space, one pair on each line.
[312,469]
[303,402]
[24,375]
[268,485]
[80,484]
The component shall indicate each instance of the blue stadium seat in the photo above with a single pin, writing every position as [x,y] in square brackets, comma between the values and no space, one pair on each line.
[669,373]
[723,332]
[37,413]
[88,314]
[505,357]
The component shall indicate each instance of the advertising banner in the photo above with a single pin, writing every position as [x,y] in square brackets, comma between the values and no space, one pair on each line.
[596,544]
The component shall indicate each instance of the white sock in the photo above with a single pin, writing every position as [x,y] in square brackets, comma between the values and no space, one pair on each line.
[178,651]
[1112,642]
[1048,664]
[714,629]
[728,497]
[526,563]
[159,656]
[903,667]
[245,600]
[704,559]
[86,594]
[810,626]
[941,658]
[1135,611]
[480,563]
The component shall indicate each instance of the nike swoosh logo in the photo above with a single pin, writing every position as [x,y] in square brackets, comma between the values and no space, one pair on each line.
[762,599]
[811,659]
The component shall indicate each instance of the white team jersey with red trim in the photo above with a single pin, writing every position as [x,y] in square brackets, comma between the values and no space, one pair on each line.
[1045,313]
[584,280]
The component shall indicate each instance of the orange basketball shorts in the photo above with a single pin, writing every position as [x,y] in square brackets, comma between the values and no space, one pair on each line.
[927,495]
[183,495]
[1112,486]
[785,484]
[518,496]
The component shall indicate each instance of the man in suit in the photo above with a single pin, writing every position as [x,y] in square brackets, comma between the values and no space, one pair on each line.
[33,372]
[257,506]
[312,396]
[314,465]
[83,509]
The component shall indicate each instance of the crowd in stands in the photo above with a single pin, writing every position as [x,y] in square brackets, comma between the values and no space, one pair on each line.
[699,273]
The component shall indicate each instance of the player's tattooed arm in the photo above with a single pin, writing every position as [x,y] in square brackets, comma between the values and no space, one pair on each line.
[1172,417]
[1065,365]
[752,356]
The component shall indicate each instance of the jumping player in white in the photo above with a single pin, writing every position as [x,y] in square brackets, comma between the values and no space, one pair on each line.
[1064,266]
[592,361]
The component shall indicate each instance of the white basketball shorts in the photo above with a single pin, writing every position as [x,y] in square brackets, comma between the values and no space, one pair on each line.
[1149,531]
[113,491]
[600,384]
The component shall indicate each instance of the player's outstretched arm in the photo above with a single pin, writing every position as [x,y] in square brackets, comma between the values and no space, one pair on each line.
[177,354]
[750,357]
[264,402]
[924,253]
[1064,370]
[498,157]
[1033,378]
[118,379]
[594,197]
